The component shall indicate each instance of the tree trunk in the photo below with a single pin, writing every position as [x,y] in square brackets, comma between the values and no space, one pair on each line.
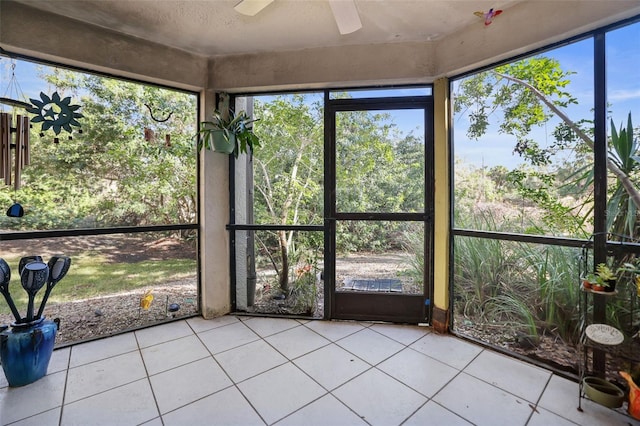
[284,254]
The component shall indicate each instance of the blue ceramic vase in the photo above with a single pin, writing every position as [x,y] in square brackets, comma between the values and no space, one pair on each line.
[25,351]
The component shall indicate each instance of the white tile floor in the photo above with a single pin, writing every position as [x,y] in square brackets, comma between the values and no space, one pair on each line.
[257,371]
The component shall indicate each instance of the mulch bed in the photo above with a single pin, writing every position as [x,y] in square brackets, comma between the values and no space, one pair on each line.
[107,315]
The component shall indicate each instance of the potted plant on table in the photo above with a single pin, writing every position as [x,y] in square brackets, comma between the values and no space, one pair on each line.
[228,133]
[604,279]
[589,280]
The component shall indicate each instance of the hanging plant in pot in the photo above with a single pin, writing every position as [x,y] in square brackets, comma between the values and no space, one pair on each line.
[228,133]
[606,277]
[604,280]
[26,347]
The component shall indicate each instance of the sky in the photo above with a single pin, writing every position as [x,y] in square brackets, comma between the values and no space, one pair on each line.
[623,89]
[26,76]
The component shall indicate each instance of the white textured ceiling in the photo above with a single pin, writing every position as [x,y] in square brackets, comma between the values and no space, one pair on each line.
[213,27]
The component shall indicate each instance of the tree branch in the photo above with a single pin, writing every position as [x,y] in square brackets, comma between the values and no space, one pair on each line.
[626,182]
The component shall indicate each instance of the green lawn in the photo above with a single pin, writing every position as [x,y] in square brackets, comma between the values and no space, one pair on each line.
[90,276]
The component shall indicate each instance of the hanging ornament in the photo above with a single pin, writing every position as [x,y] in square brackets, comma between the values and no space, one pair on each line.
[19,159]
[55,113]
[14,141]
[20,145]
[13,94]
[149,135]
[488,16]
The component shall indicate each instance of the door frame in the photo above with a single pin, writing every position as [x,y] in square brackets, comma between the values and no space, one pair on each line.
[376,306]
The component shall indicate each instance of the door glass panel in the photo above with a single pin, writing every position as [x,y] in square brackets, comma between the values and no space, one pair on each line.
[380,161]
[380,256]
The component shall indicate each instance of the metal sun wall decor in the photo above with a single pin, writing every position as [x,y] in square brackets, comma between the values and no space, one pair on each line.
[55,113]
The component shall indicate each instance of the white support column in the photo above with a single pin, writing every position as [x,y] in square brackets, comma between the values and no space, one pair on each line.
[241,210]
[214,216]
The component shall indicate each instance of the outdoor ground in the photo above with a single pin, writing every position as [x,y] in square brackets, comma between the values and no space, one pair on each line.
[367,266]
[100,316]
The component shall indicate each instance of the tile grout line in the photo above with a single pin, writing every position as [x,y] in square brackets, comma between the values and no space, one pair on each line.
[291,360]
[328,391]
[333,341]
[212,356]
[234,384]
[64,390]
[531,404]
[460,371]
[148,377]
[534,409]
[160,414]
[402,343]
[537,404]
[285,356]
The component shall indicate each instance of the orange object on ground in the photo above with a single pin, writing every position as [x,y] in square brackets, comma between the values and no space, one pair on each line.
[145,301]
[634,396]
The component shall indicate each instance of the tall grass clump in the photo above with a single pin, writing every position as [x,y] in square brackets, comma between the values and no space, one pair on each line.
[412,243]
[554,279]
[482,268]
[516,288]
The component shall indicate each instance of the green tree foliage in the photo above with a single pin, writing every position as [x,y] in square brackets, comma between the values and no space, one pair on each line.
[110,175]
[377,171]
[624,153]
[517,96]
[527,94]
[500,94]
[288,173]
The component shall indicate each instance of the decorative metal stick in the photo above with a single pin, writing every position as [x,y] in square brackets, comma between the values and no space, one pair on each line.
[33,277]
[5,277]
[58,268]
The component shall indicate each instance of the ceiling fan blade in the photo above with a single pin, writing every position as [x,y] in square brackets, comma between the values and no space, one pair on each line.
[346,15]
[251,7]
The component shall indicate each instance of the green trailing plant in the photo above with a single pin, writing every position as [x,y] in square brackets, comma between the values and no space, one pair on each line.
[235,129]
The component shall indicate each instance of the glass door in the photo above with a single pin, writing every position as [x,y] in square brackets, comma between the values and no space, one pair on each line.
[379,209]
